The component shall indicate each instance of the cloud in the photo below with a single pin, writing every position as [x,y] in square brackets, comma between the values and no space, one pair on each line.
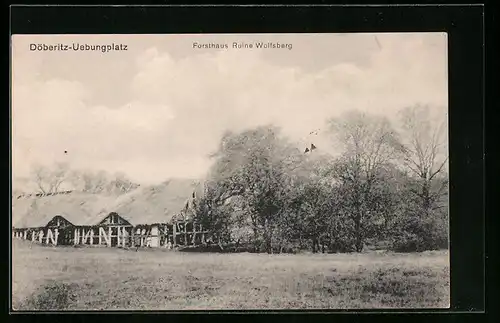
[51,117]
[180,106]
[238,89]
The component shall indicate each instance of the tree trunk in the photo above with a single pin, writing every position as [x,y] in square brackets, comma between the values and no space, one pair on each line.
[426,203]
[269,247]
[359,243]
[237,245]
[358,234]
[267,237]
[255,245]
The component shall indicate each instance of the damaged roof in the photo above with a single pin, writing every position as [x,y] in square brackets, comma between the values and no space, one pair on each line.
[144,205]
[159,203]
[78,208]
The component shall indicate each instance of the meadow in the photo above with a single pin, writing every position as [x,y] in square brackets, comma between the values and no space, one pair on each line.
[68,278]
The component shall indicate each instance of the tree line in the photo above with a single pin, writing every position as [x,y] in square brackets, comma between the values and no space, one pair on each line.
[51,179]
[386,188]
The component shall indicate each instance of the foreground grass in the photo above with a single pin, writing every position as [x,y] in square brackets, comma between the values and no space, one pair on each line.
[48,278]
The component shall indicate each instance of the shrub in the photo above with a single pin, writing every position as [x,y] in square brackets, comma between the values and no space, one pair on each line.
[416,234]
[53,296]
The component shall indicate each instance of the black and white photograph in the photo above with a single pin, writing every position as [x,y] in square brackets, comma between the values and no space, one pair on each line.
[189,172]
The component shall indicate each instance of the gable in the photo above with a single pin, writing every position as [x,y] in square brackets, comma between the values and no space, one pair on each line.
[59,222]
[114,219]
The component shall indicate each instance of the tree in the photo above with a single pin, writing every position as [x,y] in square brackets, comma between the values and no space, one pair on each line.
[99,181]
[213,212]
[259,167]
[102,182]
[89,181]
[311,214]
[120,184]
[424,154]
[316,210]
[41,176]
[49,180]
[369,144]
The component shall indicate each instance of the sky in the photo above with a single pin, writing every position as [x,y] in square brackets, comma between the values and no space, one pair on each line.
[158,109]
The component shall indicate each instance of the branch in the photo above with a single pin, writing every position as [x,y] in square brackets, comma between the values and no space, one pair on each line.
[417,170]
[434,197]
[439,169]
[39,181]
[41,187]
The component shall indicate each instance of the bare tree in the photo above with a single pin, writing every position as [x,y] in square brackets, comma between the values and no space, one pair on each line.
[74,177]
[424,154]
[49,180]
[59,175]
[120,184]
[98,181]
[369,144]
[89,181]
[40,175]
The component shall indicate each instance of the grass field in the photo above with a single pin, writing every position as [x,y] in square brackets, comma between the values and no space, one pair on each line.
[67,278]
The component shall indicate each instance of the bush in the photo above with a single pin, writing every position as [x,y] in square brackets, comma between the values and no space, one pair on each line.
[342,244]
[53,296]
[416,234]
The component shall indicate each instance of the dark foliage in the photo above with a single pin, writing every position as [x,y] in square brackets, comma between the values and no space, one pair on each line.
[264,195]
[53,296]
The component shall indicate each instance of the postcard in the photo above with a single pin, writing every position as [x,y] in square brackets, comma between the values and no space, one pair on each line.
[230,171]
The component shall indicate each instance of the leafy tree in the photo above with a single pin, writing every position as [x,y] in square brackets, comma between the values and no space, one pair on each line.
[259,167]
[214,213]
